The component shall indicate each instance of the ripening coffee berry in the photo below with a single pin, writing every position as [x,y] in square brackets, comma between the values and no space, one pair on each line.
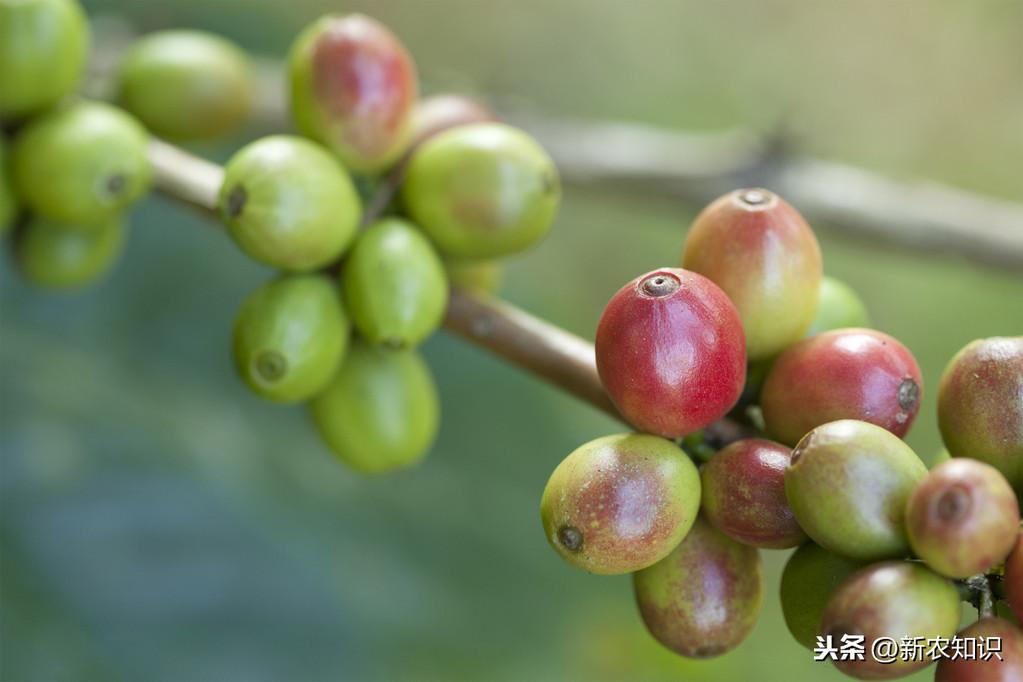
[842,374]
[963,518]
[83,164]
[892,599]
[65,257]
[43,45]
[1004,666]
[482,190]
[811,574]
[761,252]
[620,503]
[288,203]
[186,85]
[1014,578]
[290,337]
[479,276]
[8,199]
[848,485]
[743,494]
[838,307]
[394,284]
[980,405]
[704,598]
[438,113]
[670,352]
[353,89]
[380,412]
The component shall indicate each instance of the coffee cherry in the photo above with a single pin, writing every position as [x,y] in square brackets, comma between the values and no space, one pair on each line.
[743,494]
[893,599]
[842,374]
[67,257]
[1014,578]
[43,44]
[838,307]
[848,485]
[438,113]
[704,598]
[353,88]
[963,518]
[8,199]
[761,252]
[479,276]
[290,337]
[394,284]
[187,85]
[980,405]
[810,576]
[83,164]
[380,412]
[482,190]
[1007,666]
[620,503]
[288,203]
[670,352]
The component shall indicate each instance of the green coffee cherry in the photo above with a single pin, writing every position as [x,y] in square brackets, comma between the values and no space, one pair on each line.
[43,44]
[380,413]
[838,307]
[8,199]
[288,203]
[290,337]
[477,276]
[811,574]
[394,284]
[82,164]
[482,190]
[64,257]
[187,85]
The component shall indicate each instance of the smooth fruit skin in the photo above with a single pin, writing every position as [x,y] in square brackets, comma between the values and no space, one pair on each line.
[8,199]
[670,352]
[743,494]
[1008,669]
[437,113]
[620,503]
[482,190]
[838,307]
[66,257]
[963,518]
[394,283]
[891,599]
[810,576]
[980,405]
[187,85]
[380,412]
[842,374]
[848,485]
[82,164]
[1014,578]
[290,337]
[289,204]
[477,276]
[353,89]
[704,598]
[43,45]
[761,252]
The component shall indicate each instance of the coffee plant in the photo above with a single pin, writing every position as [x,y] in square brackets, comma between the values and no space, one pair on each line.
[765,414]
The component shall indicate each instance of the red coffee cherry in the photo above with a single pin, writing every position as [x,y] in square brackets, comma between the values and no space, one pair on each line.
[842,374]
[671,352]
[1008,669]
[1014,578]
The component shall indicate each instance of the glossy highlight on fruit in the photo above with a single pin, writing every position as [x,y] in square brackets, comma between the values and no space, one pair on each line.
[704,598]
[482,190]
[353,89]
[1014,578]
[761,252]
[290,337]
[620,503]
[437,113]
[838,307]
[848,485]
[83,164]
[842,374]
[288,203]
[963,519]
[811,574]
[670,352]
[743,494]
[1007,666]
[59,256]
[394,284]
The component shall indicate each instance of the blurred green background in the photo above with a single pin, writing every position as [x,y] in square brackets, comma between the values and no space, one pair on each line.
[160,523]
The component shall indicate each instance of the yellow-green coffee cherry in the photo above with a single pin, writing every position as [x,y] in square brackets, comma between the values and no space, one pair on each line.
[477,276]
[288,203]
[67,257]
[290,337]
[82,164]
[187,85]
[838,307]
[394,284]
[8,199]
[482,190]
[43,44]
[380,413]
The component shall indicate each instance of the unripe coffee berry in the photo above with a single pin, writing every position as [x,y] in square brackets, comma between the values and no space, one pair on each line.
[838,307]
[67,257]
[479,276]
[437,113]
[811,575]
[8,199]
